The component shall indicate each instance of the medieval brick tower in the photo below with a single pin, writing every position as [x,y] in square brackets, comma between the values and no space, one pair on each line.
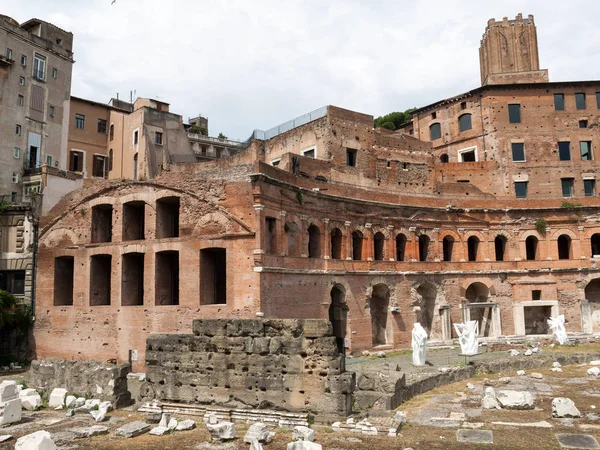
[509,52]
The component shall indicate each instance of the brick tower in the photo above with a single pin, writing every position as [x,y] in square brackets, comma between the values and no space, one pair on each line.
[509,52]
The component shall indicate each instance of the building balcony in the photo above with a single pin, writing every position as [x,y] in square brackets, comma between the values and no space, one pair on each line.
[4,61]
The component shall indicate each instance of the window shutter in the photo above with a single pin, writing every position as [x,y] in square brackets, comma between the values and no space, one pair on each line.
[36,110]
[72,167]
[80,162]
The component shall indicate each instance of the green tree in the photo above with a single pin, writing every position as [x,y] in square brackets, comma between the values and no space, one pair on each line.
[393,120]
[221,136]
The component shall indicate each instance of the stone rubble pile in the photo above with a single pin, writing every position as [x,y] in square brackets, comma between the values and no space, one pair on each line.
[10,403]
[564,408]
[40,440]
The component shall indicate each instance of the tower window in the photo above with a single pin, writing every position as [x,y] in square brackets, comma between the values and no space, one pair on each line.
[514,113]
[580,100]
[559,102]
[518,151]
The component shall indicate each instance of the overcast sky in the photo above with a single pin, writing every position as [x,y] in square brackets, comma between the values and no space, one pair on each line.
[250,64]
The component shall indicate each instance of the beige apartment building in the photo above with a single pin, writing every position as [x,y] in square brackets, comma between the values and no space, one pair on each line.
[36,61]
[135,140]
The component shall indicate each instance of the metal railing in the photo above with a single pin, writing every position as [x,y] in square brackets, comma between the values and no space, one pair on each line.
[32,170]
[289,125]
[202,137]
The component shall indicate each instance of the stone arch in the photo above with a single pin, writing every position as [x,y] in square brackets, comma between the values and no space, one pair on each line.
[564,231]
[525,234]
[447,232]
[383,230]
[477,292]
[146,197]
[59,237]
[482,237]
[338,315]
[103,200]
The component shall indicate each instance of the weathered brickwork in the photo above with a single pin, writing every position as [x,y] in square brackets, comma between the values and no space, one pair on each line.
[104,294]
[373,230]
[291,365]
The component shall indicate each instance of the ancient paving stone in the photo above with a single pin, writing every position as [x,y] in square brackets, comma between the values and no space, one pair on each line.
[87,432]
[541,424]
[475,436]
[582,441]
[5,438]
[133,429]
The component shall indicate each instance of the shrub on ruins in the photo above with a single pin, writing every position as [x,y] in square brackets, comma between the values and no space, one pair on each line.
[12,316]
[541,225]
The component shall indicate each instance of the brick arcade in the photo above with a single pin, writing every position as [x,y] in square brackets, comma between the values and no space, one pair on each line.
[483,207]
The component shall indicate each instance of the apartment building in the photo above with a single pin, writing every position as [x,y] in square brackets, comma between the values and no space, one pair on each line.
[36,62]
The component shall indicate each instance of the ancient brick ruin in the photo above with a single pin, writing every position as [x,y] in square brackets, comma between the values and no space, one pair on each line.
[289,365]
[483,207]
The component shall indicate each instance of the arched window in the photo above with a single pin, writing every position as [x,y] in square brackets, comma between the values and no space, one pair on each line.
[464,122]
[595,244]
[336,244]
[500,247]
[401,247]
[110,160]
[444,158]
[135,166]
[111,132]
[473,247]
[314,241]
[357,239]
[423,247]
[435,131]
[564,246]
[378,243]
[448,244]
[531,248]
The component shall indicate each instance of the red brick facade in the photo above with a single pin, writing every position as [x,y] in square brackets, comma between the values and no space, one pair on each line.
[333,219]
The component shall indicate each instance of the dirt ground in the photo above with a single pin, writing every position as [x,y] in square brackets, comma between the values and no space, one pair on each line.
[433,420]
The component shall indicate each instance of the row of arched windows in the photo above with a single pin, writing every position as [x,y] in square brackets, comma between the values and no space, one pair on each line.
[564,246]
